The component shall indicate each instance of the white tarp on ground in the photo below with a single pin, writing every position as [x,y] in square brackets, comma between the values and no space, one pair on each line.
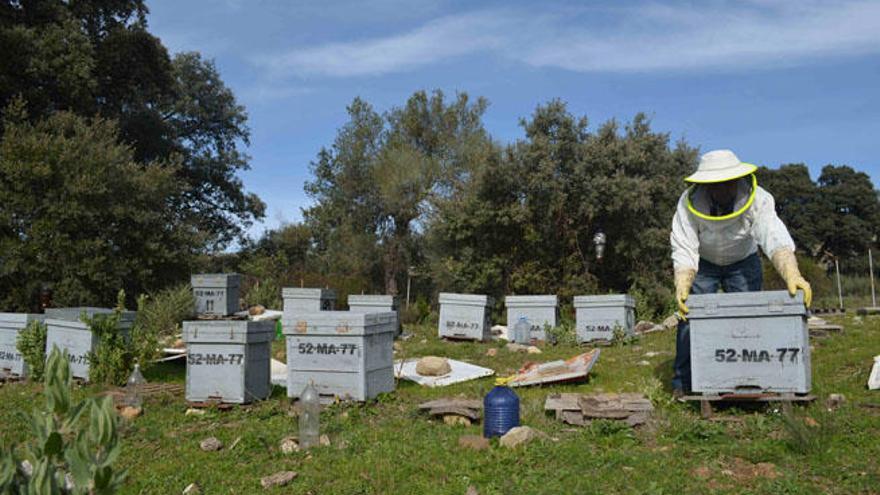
[874,379]
[279,373]
[269,314]
[461,372]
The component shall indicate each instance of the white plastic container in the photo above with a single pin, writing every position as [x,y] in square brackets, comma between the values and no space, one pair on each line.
[228,360]
[368,303]
[344,354]
[749,342]
[216,293]
[465,316]
[300,301]
[598,316]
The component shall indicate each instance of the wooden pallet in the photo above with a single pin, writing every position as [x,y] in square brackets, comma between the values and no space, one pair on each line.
[787,399]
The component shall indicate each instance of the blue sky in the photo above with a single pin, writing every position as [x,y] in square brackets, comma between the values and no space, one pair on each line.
[777,82]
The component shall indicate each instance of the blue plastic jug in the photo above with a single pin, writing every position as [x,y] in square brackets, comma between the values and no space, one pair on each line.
[500,411]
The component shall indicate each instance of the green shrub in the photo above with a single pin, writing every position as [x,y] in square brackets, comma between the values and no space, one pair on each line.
[266,293]
[161,314]
[74,446]
[31,344]
[562,334]
[111,361]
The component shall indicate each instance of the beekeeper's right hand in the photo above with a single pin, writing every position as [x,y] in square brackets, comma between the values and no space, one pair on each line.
[684,279]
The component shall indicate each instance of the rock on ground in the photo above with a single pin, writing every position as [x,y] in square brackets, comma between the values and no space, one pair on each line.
[195,412]
[643,326]
[278,479]
[455,419]
[433,366]
[514,347]
[519,436]
[324,441]
[671,323]
[533,350]
[471,490]
[492,352]
[834,401]
[475,442]
[289,445]
[211,444]
[192,489]
[130,413]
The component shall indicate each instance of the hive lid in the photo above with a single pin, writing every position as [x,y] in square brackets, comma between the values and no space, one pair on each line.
[75,313]
[18,319]
[531,301]
[745,304]
[465,299]
[80,325]
[228,331]
[215,280]
[604,300]
[302,293]
[340,323]
[371,300]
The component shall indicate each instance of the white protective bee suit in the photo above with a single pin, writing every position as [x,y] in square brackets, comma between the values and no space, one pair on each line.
[727,237]
[724,242]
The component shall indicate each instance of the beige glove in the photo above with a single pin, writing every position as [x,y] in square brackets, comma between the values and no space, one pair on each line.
[684,279]
[787,267]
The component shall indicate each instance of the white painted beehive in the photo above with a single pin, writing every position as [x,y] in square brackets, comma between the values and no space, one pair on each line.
[345,354]
[749,342]
[596,317]
[465,316]
[216,293]
[367,303]
[299,301]
[11,361]
[228,361]
[66,330]
[539,311]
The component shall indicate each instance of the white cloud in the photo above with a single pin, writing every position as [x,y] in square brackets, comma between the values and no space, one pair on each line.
[437,40]
[716,36]
[646,37]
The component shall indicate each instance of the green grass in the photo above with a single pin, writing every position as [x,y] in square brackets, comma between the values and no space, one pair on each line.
[386,446]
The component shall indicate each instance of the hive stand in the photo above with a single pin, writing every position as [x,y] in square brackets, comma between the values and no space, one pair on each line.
[786,399]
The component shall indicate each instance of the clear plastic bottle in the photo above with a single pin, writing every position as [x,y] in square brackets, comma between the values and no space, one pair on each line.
[134,388]
[521,331]
[310,417]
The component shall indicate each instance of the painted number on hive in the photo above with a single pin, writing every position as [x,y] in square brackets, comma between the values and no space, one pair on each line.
[210,359]
[331,349]
[462,325]
[9,356]
[597,328]
[782,354]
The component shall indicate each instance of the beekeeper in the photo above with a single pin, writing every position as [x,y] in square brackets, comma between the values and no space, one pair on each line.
[720,222]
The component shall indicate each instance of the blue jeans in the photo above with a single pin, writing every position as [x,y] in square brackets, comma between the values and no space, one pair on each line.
[742,276]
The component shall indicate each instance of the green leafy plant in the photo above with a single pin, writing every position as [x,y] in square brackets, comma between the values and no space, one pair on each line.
[266,293]
[31,343]
[73,447]
[112,359]
[562,334]
[159,317]
[620,337]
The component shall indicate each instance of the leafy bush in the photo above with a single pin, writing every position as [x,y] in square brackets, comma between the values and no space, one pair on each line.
[111,360]
[31,344]
[266,293]
[74,446]
[562,334]
[161,314]
[819,280]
